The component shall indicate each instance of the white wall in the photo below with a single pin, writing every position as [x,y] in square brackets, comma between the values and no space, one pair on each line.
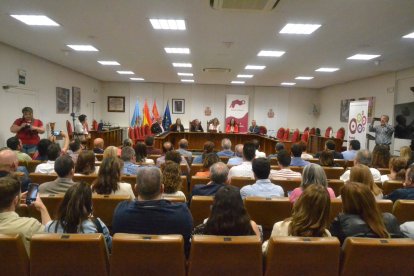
[40,90]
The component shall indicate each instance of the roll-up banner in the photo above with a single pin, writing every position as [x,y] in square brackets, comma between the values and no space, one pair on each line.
[358,122]
[237,107]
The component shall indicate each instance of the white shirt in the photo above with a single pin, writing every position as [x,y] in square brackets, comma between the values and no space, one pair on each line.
[375,173]
[260,154]
[80,129]
[213,127]
[242,170]
[47,168]
[284,173]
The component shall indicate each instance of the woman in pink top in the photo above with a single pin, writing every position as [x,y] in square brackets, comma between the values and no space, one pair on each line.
[312,174]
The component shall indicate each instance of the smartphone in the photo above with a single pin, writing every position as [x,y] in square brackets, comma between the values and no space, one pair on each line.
[56,133]
[32,193]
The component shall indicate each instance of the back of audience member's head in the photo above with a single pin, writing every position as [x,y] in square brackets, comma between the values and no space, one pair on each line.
[284,158]
[53,151]
[256,144]
[249,151]
[149,141]
[261,168]
[363,157]
[330,145]
[302,145]
[127,154]
[75,145]
[226,144]
[148,184]
[326,158]
[381,156]
[238,150]
[406,153]
[140,152]
[183,144]
[409,176]
[208,147]
[362,174]
[98,143]
[64,165]
[9,190]
[171,177]
[174,156]
[127,143]
[85,164]
[279,146]
[13,143]
[228,216]
[310,215]
[8,160]
[313,174]
[210,159]
[110,151]
[108,176]
[219,173]
[166,147]
[398,166]
[296,150]
[357,199]
[355,144]
[42,146]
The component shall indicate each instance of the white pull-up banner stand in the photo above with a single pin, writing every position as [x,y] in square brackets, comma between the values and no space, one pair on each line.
[358,122]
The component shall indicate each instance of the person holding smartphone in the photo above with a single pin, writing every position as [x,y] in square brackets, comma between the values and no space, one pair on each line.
[383,132]
[28,129]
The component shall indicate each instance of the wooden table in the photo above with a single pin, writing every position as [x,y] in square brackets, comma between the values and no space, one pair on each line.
[112,137]
[196,140]
[317,143]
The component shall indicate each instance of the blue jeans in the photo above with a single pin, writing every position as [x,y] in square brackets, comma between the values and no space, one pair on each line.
[29,149]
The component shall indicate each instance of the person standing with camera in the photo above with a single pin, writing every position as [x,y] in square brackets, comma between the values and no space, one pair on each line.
[383,132]
[28,129]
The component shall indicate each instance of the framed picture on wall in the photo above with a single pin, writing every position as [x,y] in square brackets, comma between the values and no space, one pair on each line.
[178,106]
[62,100]
[76,100]
[116,104]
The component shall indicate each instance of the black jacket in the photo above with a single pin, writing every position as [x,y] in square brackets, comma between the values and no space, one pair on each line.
[174,127]
[156,128]
[194,128]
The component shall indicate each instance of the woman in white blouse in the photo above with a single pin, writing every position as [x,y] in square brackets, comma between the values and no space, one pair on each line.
[214,125]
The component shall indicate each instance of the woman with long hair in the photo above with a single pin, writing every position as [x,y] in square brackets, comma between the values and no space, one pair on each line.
[214,125]
[397,169]
[109,182]
[85,164]
[381,156]
[110,151]
[209,160]
[232,127]
[313,174]
[326,159]
[362,217]
[171,178]
[178,126]
[75,214]
[141,154]
[407,153]
[310,216]
[361,173]
[228,216]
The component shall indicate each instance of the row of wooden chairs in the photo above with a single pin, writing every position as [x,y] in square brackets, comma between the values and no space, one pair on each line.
[132,254]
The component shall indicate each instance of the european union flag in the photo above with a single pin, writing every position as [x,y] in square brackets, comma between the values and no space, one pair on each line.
[166,121]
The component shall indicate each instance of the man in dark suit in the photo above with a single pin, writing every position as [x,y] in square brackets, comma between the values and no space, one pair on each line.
[196,126]
[254,128]
[408,191]
[156,127]
[330,145]
[219,173]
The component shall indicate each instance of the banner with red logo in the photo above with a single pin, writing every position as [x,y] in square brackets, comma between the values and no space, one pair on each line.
[237,108]
[358,122]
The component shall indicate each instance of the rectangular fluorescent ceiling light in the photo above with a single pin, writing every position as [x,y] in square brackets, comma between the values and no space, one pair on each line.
[271,53]
[168,24]
[326,69]
[288,83]
[299,28]
[237,82]
[255,67]
[83,48]
[108,62]
[35,20]
[189,65]
[187,80]
[185,74]
[125,72]
[177,50]
[303,78]
[136,79]
[411,35]
[363,57]
[245,76]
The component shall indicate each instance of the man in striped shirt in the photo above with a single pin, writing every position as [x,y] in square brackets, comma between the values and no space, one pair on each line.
[284,159]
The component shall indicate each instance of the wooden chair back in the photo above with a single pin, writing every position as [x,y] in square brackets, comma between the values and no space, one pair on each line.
[336,185]
[333,172]
[195,180]
[288,185]
[41,177]
[403,210]
[391,185]
[30,165]
[85,178]
[104,206]
[240,182]
[13,256]
[384,171]
[99,156]
[224,159]
[195,168]
[200,208]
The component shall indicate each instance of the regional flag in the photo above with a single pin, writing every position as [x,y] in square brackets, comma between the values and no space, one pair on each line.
[155,114]
[136,116]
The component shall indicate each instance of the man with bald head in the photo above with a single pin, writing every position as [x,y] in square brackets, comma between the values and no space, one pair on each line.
[166,147]
[149,213]
[8,166]
[183,146]
[238,158]
[219,173]
[98,146]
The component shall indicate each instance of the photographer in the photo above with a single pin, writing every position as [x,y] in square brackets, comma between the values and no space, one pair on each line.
[383,132]
[28,129]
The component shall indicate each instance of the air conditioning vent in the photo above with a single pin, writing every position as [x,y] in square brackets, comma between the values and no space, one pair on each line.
[244,5]
[216,70]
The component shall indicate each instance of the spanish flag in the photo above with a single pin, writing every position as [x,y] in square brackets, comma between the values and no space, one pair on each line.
[147,117]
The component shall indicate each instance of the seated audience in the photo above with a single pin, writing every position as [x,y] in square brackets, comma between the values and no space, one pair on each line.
[53,152]
[141,154]
[363,157]
[75,214]
[326,159]
[263,186]
[166,147]
[64,168]
[10,165]
[214,126]
[254,128]
[330,145]
[297,160]
[228,216]
[207,148]
[350,154]
[109,182]
[226,148]
[171,179]
[183,150]
[126,143]
[279,146]
[85,165]
[245,168]
[211,158]
[381,156]
[110,151]
[149,213]
[313,174]
[397,170]
[10,222]
[303,147]
[196,126]
[15,144]
[171,154]
[238,156]
[232,126]
[41,153]
[149,142]
[408,191]
[362,217]
[157,127]
[75,148]
[407,228]
[128,156]
[98,145]
[219,173]
[258,153]
[362,174]
[407,153]
[177,127]
[310,216]
[284,159]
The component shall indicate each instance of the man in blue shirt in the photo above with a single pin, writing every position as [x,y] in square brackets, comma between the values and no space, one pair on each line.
[149,213]
[254,128]
[263,186]
[354,147]
[238,158]
[297,159]
[128,156]
[226,146]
